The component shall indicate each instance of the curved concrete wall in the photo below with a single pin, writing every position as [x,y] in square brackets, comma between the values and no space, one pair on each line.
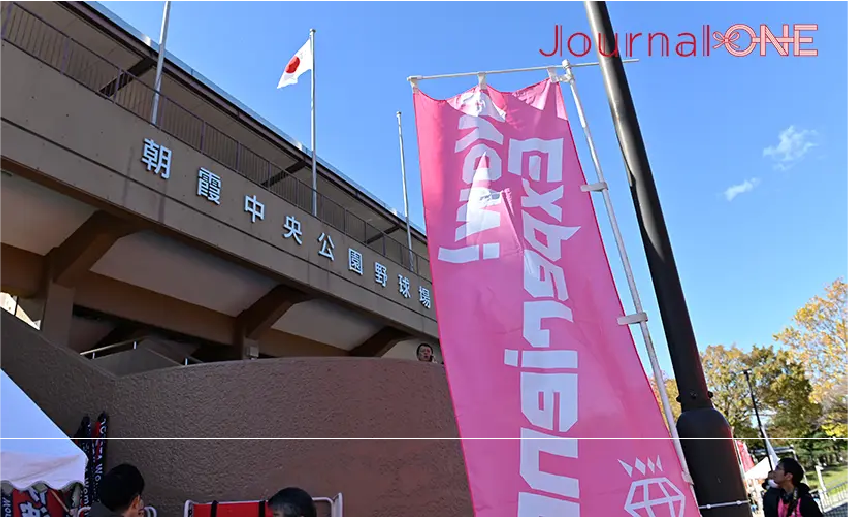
[346,399]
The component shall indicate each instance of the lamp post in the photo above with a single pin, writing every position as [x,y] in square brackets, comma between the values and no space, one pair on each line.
[712,461]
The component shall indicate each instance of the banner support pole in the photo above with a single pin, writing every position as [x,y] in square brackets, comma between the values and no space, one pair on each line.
[628,272]
[415,78]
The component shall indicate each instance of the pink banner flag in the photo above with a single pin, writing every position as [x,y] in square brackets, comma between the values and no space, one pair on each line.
[528,318]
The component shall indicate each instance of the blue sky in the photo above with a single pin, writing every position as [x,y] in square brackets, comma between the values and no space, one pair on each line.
[773,127]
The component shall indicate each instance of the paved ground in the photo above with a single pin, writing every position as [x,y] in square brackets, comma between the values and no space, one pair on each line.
[839,511]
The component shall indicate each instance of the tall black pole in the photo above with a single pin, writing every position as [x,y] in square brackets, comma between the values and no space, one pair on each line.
[757,413]
[712,462]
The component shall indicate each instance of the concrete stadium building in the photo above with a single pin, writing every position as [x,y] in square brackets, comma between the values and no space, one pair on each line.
[173,275]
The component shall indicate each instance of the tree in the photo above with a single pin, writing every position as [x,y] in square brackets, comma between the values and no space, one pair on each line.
[784,391]
[731,397]
[835,412]
[779,384]
[671,390]
[817,338]
[820,448]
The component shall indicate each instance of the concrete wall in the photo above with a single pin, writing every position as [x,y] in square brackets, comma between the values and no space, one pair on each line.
[339,398]
[93,147]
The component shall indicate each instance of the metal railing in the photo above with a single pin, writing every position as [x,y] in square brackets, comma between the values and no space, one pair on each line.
[44,42]
[92,354]
[832,497]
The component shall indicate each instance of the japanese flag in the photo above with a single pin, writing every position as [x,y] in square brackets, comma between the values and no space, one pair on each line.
[300,63]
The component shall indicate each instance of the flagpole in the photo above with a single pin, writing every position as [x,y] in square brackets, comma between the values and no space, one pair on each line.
[769,450]
[163,37]
[314,154]
[405,195]
[773,459]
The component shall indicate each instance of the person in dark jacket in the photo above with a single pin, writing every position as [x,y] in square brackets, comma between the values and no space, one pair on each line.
[794,499]
[292,502]
[121,492]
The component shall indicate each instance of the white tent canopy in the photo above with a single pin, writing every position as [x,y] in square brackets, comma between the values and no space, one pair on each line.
[33,450]
[759,471]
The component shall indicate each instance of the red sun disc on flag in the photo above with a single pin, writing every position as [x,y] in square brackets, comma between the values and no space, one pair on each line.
[293,65]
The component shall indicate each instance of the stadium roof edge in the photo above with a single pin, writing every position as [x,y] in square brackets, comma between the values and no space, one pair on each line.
[147,40]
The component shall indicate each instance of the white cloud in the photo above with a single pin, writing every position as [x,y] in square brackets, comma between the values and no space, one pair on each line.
[791,147]
[745,186]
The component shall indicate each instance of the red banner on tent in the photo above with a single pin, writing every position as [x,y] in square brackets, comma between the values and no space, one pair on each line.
[528,318]
[33,503]
[744,456]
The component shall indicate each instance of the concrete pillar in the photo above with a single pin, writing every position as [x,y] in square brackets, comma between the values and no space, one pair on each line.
[261,316]
[67,265]
[245,347]
[58,311]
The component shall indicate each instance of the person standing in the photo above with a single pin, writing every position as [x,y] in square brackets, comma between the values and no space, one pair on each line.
[794,499]
[121,492]
[771,496]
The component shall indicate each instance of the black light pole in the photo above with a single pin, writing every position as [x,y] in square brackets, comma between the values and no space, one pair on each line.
[757,413]
[712,462]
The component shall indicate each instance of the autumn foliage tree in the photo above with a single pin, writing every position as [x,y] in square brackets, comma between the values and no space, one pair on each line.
[818,340]
[835,413]
[671,390]
[779,384]
[723,371]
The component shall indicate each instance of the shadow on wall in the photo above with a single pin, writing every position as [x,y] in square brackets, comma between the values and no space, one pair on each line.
[197,406]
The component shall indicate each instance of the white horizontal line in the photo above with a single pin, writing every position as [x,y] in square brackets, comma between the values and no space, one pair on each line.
[517,438]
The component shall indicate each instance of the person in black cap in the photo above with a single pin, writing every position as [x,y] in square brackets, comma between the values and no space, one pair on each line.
[121,492]
[292,502]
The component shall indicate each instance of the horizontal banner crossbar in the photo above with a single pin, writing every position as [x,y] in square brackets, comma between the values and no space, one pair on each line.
[594,187]
[512,70]
[633,319]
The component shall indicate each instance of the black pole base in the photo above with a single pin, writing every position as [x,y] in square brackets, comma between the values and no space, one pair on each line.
[712,463]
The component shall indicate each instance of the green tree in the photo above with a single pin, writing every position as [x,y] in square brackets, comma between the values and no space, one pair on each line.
[723,369]
[835,411]
[817,338]
[820,448]
[784,391]
[779,384]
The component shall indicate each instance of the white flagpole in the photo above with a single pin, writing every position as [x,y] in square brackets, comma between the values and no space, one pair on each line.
[405,195]
[773,459]
[163,37]
[314,154]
